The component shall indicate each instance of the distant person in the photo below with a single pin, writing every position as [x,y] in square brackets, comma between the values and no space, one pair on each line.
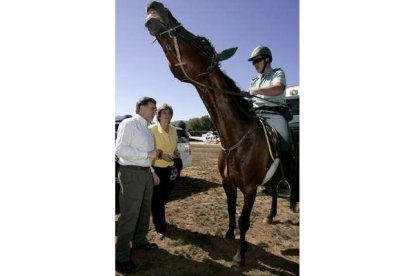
[269,89]
[136,152]
[166,141]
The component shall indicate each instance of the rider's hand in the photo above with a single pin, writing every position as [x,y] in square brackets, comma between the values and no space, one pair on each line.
[253,92]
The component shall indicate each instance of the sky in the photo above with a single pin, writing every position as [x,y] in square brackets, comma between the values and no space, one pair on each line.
[142,68]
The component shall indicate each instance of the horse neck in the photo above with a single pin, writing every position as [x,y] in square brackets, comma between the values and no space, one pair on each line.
[226,111]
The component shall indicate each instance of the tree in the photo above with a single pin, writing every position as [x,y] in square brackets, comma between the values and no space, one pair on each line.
[203,124]
[194,124]
[207,123]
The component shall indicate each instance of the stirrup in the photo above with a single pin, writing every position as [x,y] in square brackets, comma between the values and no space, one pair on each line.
[283,188]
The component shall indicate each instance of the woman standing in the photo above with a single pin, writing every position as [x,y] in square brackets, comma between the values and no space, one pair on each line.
[165,140]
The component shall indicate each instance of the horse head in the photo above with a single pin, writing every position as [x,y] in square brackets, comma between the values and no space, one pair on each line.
[191,57]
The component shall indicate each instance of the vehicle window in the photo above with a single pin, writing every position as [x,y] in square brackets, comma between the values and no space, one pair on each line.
[294,105]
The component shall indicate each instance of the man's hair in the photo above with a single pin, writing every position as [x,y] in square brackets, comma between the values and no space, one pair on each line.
[144,101]
[164,107]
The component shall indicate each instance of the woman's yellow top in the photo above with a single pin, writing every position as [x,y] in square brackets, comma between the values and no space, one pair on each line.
[167,142]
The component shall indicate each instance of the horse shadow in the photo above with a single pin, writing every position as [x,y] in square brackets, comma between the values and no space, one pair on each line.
[188,186]
[169,264]
[219,248]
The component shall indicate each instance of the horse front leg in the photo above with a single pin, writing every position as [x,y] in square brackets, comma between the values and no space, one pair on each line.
[273,207]
[231,193]
[244,225]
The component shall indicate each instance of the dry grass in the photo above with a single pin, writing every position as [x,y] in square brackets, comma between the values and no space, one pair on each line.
[197,217]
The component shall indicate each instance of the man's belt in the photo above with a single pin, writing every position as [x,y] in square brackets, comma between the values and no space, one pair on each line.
[281,109]
[136,167]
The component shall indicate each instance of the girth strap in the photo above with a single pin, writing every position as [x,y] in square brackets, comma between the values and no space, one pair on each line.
[227,151]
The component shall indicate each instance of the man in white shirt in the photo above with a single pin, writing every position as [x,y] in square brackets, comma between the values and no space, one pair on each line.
[136,152]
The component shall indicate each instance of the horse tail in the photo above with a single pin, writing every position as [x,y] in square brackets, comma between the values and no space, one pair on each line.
[294,197]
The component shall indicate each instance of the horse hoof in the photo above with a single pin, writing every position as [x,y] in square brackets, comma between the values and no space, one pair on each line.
[268,220]
[230,236]
[237,261]
[296,208]
[236,266]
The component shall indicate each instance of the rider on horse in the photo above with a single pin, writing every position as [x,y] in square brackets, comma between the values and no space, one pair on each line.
[269,90]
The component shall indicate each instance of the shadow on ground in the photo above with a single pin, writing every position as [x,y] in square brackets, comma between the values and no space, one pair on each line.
[188,186]
[220,250]
[161,262]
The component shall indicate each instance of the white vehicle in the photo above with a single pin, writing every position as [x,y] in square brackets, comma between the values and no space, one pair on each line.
[208,137]
[184,149]
[292,100]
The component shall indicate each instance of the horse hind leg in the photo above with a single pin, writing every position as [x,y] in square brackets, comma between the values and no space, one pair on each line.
[294,199]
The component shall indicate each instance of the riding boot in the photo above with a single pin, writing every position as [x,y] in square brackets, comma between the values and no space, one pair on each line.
[283,187]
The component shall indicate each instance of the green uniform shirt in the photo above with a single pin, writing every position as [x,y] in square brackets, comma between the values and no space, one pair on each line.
[272,77]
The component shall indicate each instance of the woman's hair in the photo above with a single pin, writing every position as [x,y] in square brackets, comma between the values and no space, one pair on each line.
[164,107]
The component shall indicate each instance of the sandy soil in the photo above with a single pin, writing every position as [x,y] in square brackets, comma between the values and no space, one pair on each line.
[197,217]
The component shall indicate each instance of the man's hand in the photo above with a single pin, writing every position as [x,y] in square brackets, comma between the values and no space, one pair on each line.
[153,154]
[156,179]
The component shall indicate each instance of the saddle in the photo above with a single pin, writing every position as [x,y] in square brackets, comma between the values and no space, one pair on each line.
[281,109]
[272,136]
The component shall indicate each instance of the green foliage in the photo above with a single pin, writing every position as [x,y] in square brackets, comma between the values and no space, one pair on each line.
[200,124]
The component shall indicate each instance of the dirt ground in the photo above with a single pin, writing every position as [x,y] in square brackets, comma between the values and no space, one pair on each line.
[197,222]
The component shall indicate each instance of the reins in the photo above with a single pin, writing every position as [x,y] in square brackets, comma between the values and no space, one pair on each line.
[180,63]
[224,91]
[228,150]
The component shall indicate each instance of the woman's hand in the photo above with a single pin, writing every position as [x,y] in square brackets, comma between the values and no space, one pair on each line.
[167,157]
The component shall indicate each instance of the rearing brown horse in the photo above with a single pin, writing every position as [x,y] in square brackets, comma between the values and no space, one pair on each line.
[245,158]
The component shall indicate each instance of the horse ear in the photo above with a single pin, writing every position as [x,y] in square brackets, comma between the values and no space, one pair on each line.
[227,53]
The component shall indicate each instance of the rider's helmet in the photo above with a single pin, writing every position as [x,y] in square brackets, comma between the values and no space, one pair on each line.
[261,51]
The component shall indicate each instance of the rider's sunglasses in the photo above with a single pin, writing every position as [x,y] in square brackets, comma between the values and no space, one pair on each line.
[257,60]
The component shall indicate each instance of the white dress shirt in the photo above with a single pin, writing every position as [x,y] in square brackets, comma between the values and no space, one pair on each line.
[133,142]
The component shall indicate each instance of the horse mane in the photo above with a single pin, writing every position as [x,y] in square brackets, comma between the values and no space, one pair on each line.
[244,104]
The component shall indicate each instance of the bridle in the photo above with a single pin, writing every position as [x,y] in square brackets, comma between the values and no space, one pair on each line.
[203,49]
[207,51]
[172,33]
[213,65]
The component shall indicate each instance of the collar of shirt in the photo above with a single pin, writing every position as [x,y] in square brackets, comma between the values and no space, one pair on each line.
[161,130]
[141,120]
[269,72]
